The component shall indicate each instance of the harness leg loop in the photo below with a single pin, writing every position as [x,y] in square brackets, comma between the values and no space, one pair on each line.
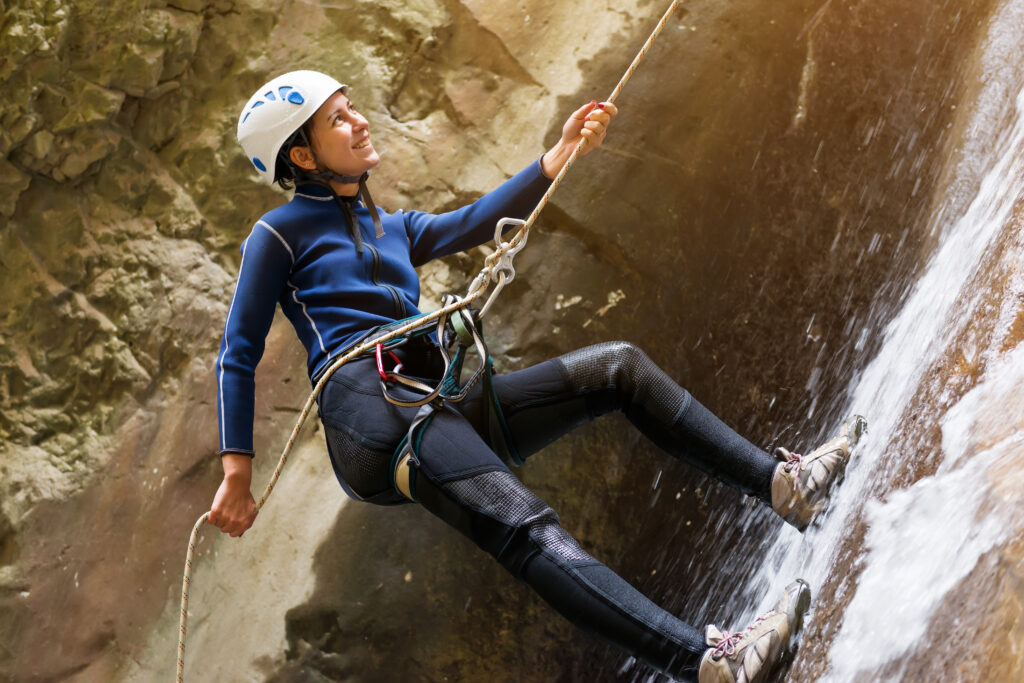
[404,462]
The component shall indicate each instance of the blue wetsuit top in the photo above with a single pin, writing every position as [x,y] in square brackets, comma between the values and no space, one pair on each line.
[302,255]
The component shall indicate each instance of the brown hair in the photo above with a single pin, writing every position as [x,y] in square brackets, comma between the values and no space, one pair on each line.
[286,173]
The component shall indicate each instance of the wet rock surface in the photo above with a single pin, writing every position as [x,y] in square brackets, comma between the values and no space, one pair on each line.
[760,207]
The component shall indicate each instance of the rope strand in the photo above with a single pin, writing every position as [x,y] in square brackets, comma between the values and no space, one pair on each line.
[477,287]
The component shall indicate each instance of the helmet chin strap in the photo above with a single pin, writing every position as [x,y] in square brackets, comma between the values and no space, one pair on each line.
[322,178]
[337,177]
[364,193]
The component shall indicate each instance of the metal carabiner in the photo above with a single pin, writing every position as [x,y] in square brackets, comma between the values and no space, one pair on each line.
[385,375]
[506,250]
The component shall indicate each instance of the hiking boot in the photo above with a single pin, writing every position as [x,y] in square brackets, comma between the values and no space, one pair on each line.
[750,655]
[801,484]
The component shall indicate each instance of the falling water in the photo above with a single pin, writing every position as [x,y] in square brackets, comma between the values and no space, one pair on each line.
[922,540]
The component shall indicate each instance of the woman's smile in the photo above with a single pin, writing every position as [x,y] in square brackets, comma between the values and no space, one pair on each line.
[341,137]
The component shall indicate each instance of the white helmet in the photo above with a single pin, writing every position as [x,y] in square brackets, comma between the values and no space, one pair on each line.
[277,110]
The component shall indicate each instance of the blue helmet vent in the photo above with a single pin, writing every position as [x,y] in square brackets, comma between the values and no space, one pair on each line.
[259,164]
[285,93]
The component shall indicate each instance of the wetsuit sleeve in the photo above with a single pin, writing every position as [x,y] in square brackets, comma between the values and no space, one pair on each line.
[266,262]
[432,236]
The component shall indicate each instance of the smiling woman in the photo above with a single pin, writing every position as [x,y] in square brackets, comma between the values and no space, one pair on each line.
[340,269]
[300,117]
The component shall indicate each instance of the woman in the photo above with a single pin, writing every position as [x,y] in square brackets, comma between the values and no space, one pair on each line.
[339,267]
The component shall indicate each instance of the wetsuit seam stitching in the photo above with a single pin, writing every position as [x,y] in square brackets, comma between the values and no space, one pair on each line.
[540,402]
[367,442]
[687,401]
[564,371]
[466,473]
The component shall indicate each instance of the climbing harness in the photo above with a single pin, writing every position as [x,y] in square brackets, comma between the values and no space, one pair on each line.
[466,332]
[454,311]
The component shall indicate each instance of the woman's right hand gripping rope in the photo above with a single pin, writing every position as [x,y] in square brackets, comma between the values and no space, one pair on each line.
[234,509]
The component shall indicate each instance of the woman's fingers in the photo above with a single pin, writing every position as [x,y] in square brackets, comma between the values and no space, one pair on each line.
[603,112]
[586,109]
[593,133]
[586,127]
[233,510]
[242,520]
[595,127]
[220,519]
[234,527]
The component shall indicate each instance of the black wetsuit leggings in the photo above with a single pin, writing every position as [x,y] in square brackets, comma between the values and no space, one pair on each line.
[461,480]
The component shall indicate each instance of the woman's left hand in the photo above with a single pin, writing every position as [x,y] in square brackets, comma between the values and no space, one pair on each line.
[589,123]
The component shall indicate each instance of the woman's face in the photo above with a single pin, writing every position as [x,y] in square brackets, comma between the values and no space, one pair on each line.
[341,137]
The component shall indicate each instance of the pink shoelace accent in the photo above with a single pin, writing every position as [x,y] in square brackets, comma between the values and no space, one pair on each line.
[727,646]
[794,463]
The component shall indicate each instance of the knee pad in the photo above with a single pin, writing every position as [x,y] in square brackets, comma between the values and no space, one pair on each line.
[504,518]
[619,375]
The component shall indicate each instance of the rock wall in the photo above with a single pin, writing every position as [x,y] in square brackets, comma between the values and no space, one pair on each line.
[125,200]
[762,197]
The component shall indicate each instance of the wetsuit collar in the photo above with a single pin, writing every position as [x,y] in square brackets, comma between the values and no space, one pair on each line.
[319,191]
[324,192]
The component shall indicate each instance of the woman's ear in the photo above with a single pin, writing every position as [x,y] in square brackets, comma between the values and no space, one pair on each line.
[302,157]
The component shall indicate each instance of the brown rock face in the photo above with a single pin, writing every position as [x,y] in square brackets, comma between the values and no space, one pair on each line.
[778,179]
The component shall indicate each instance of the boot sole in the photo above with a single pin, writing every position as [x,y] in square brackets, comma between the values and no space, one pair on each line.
[858,427]
[800,605]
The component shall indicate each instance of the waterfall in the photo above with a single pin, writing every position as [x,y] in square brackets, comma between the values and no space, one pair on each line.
[923,539]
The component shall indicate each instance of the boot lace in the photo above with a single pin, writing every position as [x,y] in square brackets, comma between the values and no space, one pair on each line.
[794,463]
[727,646]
